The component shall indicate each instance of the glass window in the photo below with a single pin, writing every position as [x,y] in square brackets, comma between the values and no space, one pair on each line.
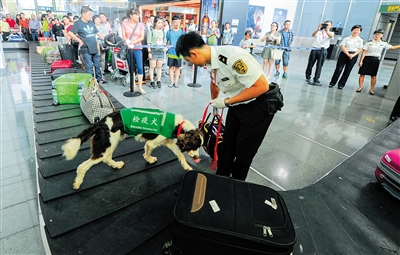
[310,18]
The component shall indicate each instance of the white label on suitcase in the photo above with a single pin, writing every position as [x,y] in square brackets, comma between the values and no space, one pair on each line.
[271,203]
[388,159]
[214,206]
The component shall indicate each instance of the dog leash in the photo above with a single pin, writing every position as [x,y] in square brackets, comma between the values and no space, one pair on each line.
[213,164]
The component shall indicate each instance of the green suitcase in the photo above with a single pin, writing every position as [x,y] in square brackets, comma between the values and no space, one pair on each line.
[68,88]
[45,50]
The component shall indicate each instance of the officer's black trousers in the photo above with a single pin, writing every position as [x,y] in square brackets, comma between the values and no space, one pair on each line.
[343,62]
[245,129]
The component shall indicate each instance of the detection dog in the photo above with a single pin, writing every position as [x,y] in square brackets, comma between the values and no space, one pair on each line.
[155,127]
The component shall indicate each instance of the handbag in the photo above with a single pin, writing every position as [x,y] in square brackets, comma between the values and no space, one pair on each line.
[123,51]
[94,103]
[213,133]
[276,54]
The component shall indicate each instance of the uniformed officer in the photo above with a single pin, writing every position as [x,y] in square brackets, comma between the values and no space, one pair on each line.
[252,101]
[370,59]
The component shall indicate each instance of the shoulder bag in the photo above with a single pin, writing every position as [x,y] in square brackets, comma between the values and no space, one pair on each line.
[123,51]
[94,103]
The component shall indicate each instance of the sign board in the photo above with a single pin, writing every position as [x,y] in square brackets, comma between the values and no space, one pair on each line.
[390,8]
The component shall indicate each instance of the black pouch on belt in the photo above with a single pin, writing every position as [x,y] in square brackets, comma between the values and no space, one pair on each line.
[273,98]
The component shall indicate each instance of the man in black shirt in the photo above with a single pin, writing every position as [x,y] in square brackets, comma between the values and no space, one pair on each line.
[87,31]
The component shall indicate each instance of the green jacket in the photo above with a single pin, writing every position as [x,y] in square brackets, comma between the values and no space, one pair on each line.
[144,120]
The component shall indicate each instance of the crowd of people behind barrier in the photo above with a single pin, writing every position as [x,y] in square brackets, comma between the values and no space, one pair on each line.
[48,25]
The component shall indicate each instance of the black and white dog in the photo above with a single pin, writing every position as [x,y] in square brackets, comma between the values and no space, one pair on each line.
[112,128]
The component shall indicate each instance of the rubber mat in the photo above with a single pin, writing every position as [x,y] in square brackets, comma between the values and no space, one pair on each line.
[154,245]
[48,150]
[41,93]
[61,184]
[59,134]
[44,87]
[63,123]
[349,206]
[54,108]
[122,231]
[47,164]
[107,198]
[58,115]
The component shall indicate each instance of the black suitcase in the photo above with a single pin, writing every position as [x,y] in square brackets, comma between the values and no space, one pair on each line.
[219,215]
[67,52]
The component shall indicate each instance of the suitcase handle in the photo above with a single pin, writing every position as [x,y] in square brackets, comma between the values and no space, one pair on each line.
[199,193]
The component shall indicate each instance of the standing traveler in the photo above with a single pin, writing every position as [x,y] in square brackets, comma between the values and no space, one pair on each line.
[286,40]
[271,38]
[227,34]
[351,46]
[322,40]
[133,34]
[174,60]
[156,36]
[87,31]
[34,28]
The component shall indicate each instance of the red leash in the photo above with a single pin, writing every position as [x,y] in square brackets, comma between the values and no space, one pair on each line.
[213,164]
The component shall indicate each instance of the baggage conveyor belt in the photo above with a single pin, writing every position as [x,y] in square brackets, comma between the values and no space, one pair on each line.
[130,211]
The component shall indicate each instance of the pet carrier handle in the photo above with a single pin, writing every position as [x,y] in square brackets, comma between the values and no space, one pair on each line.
[204,116]
[214,162]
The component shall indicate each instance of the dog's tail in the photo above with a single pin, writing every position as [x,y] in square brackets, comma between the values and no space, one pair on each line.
[71,147]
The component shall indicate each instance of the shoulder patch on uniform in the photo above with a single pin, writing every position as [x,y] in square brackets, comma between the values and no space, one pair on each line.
[240,67]
[223,59]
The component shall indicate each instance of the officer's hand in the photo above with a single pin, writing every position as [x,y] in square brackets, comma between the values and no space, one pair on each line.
[218,103]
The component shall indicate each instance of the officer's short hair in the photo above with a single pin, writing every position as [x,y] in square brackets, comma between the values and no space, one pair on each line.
[188,41]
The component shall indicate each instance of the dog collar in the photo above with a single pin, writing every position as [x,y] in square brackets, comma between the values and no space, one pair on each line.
[180,128]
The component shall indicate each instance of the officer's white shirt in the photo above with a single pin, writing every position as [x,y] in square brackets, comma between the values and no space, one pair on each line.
[322,40]
[374,49]
[352,43]
[233,69]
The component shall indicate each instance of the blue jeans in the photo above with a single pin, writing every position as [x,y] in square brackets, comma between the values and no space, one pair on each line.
[90,61]
[138,55]
[285,58]
[35,36]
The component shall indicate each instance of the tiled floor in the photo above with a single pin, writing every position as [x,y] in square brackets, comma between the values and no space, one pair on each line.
[317,129]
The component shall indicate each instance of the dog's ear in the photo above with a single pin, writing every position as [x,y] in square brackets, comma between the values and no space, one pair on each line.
[180,141]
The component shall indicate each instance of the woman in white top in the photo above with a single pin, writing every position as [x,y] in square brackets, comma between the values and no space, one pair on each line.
[370,58]
[156,36]
[271,38]
[351,46]
[247,43]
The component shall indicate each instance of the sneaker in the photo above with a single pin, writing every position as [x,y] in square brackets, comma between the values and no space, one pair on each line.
[284,76]
[170,85]
[152,85]
[340,87]
[175,85]
[107,71]
[276,75]
[159,84]
[103,81]
[331,85]
[308,79]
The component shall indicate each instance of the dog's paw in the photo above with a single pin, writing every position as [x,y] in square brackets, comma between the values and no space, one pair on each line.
[118,164]
[76,185]
[150,159]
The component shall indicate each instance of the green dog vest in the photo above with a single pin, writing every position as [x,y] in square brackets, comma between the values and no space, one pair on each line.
[144,120]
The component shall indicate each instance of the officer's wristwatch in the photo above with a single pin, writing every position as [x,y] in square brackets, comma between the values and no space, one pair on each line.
[226,101]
